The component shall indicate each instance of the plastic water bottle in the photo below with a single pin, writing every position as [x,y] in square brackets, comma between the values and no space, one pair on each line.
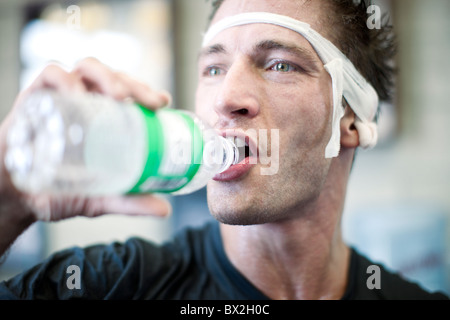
[93,145]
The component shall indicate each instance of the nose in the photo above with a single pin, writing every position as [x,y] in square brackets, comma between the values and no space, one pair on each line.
[238,95]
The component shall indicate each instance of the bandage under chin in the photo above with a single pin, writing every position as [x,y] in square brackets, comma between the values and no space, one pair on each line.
[347,82]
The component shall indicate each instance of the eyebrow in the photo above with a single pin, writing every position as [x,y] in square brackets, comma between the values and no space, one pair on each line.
[310,61]
[271,45]
[211,50]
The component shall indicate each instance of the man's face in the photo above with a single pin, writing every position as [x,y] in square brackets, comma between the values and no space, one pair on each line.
[262,76]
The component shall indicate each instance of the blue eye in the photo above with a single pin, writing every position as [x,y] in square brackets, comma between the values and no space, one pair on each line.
[283,67]
[214,71]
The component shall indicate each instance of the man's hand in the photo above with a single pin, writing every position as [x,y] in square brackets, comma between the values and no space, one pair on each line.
[19,210]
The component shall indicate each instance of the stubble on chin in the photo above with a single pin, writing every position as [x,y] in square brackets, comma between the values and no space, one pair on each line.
[244,208]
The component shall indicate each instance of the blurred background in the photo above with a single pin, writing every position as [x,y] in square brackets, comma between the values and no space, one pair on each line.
[398,204]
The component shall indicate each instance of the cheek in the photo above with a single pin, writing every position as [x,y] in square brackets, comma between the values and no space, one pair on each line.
[204,105]
[307,114]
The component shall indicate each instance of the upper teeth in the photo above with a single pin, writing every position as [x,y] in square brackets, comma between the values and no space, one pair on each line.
[238,142]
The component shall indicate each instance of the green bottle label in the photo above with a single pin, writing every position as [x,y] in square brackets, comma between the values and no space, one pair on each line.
[175,151]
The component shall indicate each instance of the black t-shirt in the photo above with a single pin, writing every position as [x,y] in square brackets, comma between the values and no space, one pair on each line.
[192,266]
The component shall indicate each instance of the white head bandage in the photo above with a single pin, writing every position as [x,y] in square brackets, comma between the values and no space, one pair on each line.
[347,82]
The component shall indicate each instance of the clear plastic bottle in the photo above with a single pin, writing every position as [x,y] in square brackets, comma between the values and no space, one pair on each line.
[93,145]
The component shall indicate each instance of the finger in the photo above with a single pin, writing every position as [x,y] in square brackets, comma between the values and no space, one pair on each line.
[136,205]
[97,77]
[55,77]
[100,78]
[144,94]
[46,208]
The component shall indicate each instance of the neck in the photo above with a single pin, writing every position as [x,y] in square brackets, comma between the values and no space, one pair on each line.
[303,257]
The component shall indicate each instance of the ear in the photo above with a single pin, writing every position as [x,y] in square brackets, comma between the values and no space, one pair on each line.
[349,133]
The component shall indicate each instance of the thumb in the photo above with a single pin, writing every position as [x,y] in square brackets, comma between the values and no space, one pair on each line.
[141,205]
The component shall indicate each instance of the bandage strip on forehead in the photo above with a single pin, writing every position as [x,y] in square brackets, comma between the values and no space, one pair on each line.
[347,82]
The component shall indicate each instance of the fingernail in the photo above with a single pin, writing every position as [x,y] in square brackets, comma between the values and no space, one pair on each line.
[168,210]
[167,96]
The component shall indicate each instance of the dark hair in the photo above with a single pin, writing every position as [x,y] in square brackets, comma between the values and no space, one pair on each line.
[371,50]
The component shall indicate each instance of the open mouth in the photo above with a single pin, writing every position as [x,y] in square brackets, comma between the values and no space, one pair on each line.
[245,147]
[245,159]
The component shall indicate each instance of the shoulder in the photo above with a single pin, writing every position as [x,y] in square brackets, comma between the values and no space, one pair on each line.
[136,268]
[372,280]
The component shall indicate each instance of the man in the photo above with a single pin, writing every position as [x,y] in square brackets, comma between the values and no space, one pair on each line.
[265,64]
